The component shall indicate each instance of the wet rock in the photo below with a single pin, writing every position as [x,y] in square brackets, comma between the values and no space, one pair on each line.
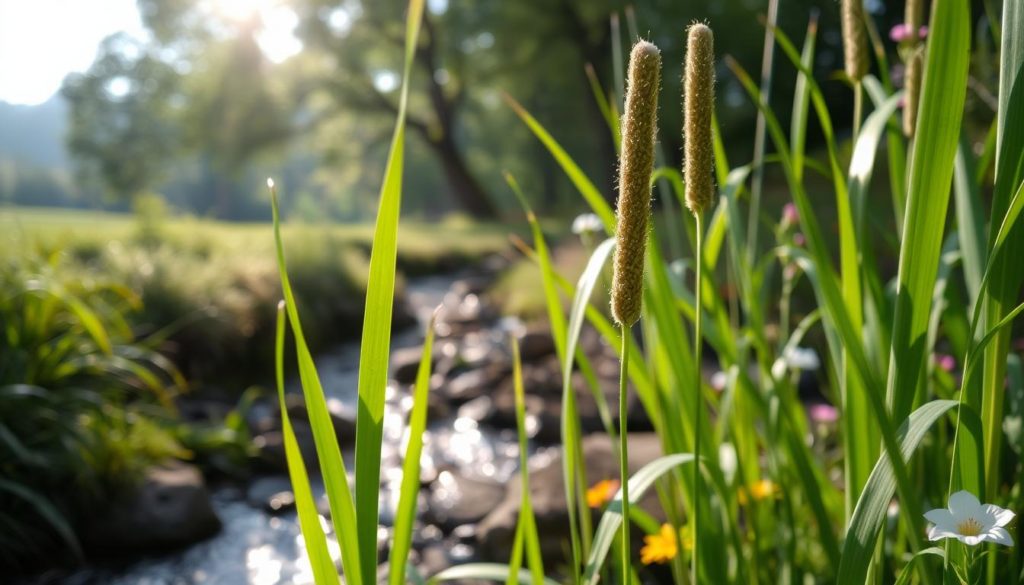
[536,343]
[542,382]
[470,384]
[405,363]
[473,285]
[170,509]
[271,452]
[456,499]
[496,532]
[344,419]
[272,494]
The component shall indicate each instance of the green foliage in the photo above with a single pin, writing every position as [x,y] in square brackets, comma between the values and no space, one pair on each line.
[772,511]
[81,402]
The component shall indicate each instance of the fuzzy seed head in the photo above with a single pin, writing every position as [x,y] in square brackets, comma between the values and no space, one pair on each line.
[639,126]
[915,71]
[855,42]
[698,111]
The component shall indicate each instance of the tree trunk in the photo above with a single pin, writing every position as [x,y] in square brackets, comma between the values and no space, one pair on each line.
[468,193]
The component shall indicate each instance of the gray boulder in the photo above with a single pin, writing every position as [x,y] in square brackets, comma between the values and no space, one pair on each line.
[170,509]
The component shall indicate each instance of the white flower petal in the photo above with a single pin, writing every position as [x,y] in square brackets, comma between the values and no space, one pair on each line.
[938,533]
[971,540]
[964,504]
[1000,516]
[940,517]
[999,535]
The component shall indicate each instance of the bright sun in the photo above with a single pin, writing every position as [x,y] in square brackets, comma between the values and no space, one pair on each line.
[277,23]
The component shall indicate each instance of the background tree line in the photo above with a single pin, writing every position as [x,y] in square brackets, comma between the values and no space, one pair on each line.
[198,113]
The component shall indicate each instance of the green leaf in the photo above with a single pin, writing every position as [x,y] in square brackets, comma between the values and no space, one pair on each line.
[907,573]
[332,467]
[527,523]
[873,505]
[572,170]
[376,342]
[324,571]
[405,515]
[931,171]
[485,571]
[611,520]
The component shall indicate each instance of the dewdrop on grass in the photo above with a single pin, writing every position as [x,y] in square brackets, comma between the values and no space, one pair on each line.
[639,126]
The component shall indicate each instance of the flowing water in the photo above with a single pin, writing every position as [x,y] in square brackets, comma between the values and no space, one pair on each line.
[255,548]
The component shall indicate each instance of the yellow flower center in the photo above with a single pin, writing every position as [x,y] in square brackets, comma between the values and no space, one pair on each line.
[969,527]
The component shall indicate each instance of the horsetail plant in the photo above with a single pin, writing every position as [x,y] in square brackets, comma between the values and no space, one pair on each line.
[639,126]
[698,111]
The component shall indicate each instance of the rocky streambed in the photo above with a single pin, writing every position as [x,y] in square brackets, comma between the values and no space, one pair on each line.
[470,489]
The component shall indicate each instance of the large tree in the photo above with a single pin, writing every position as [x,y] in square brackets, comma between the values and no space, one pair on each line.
[123,119]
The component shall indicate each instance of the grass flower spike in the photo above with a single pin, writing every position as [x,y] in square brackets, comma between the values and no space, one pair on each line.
[698,110]
[639,126]
[970,521]
[855,42]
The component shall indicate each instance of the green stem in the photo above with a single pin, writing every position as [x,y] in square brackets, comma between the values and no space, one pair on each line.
[624,455]
[697,402]
[858,109]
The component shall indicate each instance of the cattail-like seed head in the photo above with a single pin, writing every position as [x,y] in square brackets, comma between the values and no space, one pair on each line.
[912,85]
[855,42]
[913,17]
[639,125]
[698,111]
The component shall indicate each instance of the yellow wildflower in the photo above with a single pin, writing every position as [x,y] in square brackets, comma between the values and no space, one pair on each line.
[602,492]
[759,490]
[663,546]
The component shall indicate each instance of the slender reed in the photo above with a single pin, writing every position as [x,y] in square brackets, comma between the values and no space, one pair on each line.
[698,111]
[639,126]
[915,67]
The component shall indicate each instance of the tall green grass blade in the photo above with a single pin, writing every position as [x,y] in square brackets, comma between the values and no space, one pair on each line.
[375,347]
[610,115]
[969,221]
[611,520]
[931,170]
[405,516]
[801,95]
[332,467]
[1004,286]
[324,571]
[757,181]
[572,170]
[577,313]
[873,505]
[907,574]
[572,461]
[527,521]
[1011,60]
[484,571]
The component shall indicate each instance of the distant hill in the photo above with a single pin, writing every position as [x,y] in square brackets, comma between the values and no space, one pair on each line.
[34,135]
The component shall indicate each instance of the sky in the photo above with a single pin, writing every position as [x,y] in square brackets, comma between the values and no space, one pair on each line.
[41,41]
